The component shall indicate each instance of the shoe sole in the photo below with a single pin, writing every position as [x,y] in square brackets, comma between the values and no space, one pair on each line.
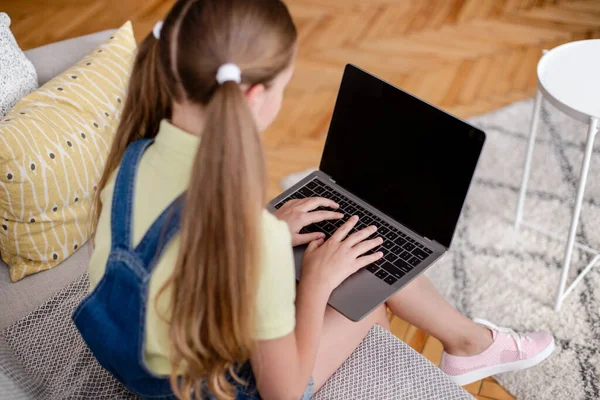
[479,374]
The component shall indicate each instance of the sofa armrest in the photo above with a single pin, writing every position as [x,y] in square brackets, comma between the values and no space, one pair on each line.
[52,59]
[384,367]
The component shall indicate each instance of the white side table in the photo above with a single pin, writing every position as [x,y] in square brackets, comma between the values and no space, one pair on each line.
[569,78]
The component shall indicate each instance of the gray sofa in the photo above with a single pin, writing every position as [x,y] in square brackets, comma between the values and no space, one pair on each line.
[43,357]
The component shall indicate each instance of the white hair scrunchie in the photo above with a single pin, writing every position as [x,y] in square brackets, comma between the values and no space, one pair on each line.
[229,72]
[157,28]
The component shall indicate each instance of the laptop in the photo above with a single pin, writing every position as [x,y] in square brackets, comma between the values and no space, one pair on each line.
[398,163]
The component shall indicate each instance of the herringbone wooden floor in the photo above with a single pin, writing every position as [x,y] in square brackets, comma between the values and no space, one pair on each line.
[466,56]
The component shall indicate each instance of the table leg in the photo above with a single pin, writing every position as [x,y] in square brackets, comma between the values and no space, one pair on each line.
[532,133]
[585,166]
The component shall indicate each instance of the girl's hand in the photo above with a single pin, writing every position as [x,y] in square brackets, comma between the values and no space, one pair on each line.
[333,261]
[299,213]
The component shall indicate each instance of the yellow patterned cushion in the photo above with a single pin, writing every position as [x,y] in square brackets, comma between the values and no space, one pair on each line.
[53,144]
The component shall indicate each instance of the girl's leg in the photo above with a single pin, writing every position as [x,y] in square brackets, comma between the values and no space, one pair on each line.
[340,338]
[472,351]
[420,304]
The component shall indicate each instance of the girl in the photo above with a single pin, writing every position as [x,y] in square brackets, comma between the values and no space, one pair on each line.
[191,278]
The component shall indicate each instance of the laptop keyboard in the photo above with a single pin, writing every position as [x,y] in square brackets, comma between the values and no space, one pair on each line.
[401,252]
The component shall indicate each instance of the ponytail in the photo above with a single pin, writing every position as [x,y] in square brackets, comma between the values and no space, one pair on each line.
[213,279]
[147,103]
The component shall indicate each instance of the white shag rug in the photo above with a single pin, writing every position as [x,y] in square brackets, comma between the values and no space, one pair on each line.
[511,278]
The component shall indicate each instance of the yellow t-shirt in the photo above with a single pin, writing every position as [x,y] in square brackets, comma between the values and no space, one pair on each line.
[163,174]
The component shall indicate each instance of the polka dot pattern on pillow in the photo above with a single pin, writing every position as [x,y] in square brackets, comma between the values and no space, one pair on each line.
[53,145]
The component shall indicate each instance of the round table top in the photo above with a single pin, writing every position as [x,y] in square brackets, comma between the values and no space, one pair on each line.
[570,73]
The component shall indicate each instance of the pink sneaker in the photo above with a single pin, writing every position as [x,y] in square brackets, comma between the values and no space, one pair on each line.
[510,351]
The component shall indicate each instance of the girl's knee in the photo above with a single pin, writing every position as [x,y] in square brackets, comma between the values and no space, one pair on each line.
[380,317]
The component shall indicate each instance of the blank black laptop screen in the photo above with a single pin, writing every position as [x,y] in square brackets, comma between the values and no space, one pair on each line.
[403,156]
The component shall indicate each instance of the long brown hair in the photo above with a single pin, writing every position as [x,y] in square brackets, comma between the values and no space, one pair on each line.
[214,282]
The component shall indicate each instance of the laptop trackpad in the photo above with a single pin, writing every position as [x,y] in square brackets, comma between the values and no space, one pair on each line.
[357,296]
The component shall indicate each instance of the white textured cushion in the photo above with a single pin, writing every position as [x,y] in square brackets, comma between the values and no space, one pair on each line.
[17,74]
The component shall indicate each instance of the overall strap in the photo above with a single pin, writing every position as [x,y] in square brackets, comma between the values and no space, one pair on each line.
[122,203]
[160,233]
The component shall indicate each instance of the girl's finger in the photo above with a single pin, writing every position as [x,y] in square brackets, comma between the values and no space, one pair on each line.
[343,230]
[288,203]
[359,236]
[366,245]
[318,216]
[312,203]
[362,262]
[307,238]
[315,244]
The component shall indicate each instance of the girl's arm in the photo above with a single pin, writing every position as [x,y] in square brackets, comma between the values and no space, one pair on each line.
[283,366]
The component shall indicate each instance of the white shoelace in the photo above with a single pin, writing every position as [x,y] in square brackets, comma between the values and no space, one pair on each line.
[517,337]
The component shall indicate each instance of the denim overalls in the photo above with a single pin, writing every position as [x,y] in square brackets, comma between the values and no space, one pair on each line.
[111,319]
